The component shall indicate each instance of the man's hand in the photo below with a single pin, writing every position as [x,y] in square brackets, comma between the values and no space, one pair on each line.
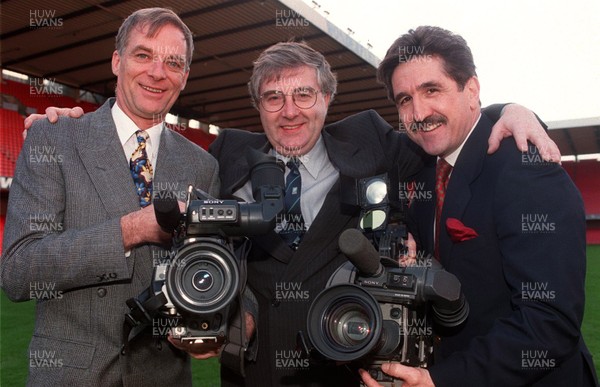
[410,258]
[203,351]
[140,227]
[198,351]
[521,123]
[250,326]
[52,114]
[412,376]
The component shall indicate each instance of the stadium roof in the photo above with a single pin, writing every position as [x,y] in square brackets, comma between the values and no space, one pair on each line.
[71,42]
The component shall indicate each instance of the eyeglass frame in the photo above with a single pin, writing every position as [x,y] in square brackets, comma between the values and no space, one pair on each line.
[279,92]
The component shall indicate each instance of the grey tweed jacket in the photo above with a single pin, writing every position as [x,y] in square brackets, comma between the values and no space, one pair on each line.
[63,248]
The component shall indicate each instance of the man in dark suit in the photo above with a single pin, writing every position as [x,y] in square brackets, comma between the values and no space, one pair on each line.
[292,86]
[76,239]
[510,226]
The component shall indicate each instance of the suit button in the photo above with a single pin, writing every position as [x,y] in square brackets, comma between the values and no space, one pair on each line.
[101,292]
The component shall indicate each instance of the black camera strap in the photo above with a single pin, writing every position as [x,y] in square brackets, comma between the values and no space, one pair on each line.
[233,352]
[141,311]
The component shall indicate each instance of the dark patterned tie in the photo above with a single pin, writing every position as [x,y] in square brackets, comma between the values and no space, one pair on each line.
[292,226]
[442,172]
[141,170]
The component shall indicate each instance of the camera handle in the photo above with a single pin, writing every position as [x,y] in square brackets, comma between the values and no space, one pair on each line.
[140,315]
[233,352]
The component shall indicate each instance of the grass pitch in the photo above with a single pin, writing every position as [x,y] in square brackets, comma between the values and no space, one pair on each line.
[16,327]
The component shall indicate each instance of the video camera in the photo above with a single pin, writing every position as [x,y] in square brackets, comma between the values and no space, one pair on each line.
[198,288]
[373,310]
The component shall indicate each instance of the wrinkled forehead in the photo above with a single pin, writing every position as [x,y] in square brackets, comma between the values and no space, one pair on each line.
[290,78]
[171,41]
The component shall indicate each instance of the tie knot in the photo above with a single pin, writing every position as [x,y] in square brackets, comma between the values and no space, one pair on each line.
[293,164]
[443,169]
[141,136]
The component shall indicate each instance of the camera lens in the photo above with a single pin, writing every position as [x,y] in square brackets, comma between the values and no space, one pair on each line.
[203,277]
[202,280]
[344,322]
[350,325]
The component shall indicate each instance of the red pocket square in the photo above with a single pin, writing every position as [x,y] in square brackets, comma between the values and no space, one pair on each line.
[458,231]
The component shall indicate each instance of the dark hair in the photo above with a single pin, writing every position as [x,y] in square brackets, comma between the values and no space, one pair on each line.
[289,55]
[154,19]
[428,41]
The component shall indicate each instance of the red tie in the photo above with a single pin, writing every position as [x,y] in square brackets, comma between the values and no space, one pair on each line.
[442,173]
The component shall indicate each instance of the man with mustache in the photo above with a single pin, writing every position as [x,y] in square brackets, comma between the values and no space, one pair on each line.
[510,226]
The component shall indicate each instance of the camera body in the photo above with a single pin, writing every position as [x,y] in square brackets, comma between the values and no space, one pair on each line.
[196,291]
[374,310]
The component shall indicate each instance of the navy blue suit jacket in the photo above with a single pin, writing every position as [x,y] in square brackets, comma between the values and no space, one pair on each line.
[523,275]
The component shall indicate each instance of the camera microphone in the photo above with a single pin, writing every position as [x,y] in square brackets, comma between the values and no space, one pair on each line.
[166,210]
[360,252]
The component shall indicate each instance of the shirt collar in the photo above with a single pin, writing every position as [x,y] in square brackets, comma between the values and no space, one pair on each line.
[452,157]
[313,161]
[126,127]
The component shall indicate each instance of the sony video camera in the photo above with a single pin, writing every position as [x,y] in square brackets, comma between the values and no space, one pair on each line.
[197,289]
[373,310]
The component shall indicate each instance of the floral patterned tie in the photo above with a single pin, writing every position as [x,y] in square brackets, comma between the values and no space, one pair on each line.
[141,170]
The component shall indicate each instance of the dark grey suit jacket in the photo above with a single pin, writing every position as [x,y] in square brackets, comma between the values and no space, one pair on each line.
[359,146]
[63,247]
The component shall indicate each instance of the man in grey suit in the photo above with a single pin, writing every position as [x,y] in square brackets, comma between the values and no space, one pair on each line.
[76,239]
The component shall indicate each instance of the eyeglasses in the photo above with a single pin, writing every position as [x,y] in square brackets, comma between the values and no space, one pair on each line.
[274,100]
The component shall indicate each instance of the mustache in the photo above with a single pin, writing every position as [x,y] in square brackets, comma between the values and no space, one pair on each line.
[424,125]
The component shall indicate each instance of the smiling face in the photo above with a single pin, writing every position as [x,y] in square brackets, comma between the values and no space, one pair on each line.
[293,131]
[431,102]
[151,72]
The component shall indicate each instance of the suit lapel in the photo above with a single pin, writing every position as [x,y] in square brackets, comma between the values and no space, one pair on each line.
[170,159]
[102,155]
[467,168]
[341,154]
[239,172]
[324,231]
[423,211]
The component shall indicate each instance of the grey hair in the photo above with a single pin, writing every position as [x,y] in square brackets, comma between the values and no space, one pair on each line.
[154,19]
[283,56]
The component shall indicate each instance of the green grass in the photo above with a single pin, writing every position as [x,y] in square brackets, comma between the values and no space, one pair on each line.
[591,319]
[16,327]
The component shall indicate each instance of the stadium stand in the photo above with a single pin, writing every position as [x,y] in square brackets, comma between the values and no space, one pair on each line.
[585,174]
[20,99]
